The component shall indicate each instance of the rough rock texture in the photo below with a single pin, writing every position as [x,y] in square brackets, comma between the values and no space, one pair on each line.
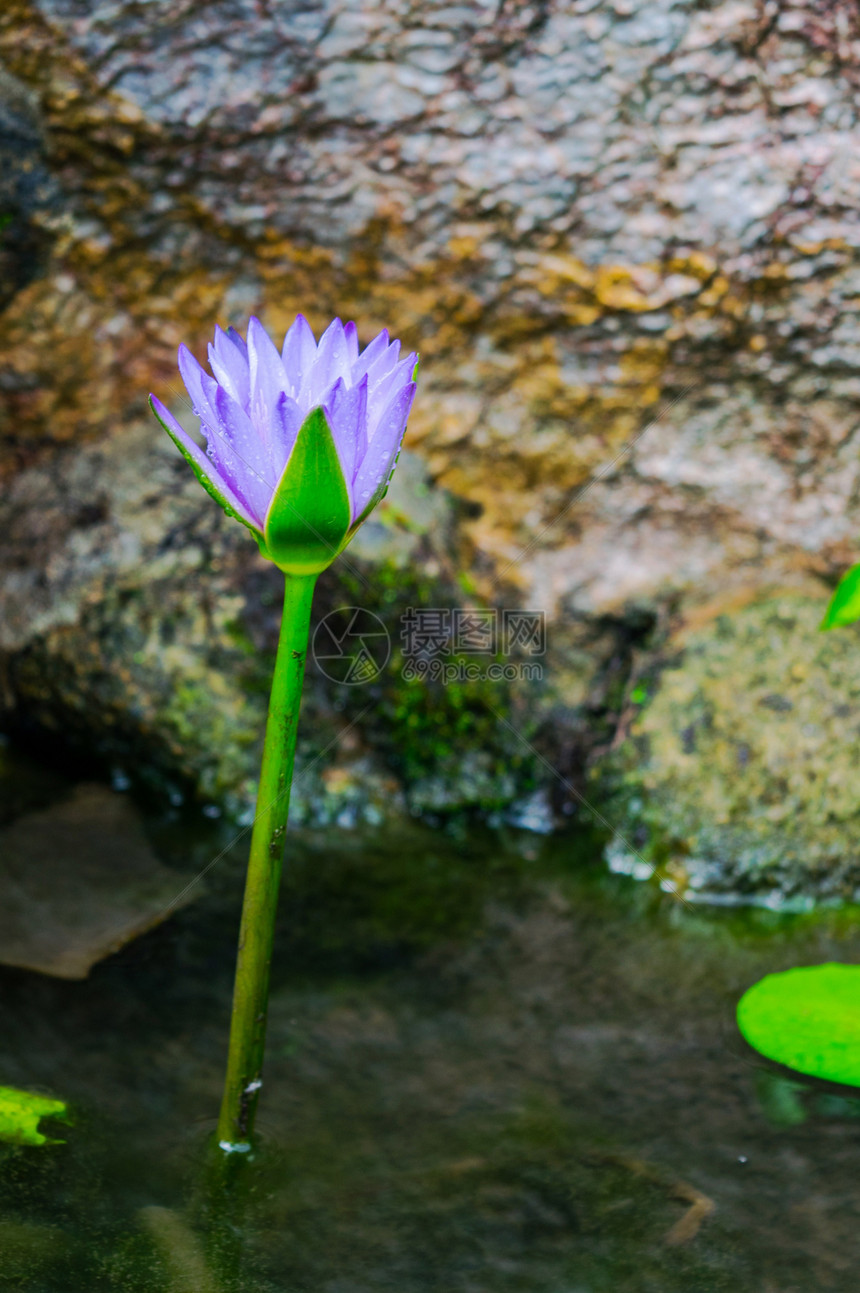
[597,220]
[28,194]
[742,776]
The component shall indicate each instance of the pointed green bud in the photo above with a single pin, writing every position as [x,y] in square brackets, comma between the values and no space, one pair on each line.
[309,516]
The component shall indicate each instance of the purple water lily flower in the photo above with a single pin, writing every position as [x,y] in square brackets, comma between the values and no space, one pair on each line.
[301,444]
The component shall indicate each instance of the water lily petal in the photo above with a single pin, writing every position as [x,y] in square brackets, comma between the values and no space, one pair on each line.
[332,360]
[384,364]
[246,445]
[383,391]
[268,382]
[371,479]
[223,419]
[238,341]
[299,353]
[346,410]
[200,386]
[287,417]
[351,333]
[378,346]
[231,442]
[207,468]
[230,366]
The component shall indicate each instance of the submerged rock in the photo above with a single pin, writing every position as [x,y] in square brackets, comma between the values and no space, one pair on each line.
[741,776]
[78,881]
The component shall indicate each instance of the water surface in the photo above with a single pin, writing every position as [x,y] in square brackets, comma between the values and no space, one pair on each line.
[492,1067]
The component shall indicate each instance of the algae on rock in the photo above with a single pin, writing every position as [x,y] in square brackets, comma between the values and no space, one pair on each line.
[741,777]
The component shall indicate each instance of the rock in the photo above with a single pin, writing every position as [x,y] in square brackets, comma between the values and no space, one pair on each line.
[138,624]
[623,237]
[119,614]
[581,216]
[78,880]
[740,779]
[28,193]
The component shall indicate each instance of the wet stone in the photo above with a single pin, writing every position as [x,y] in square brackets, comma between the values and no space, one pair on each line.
[78,880]
[732,789]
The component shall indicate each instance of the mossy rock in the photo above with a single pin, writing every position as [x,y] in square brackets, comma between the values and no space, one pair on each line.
[741,776]
[149,650]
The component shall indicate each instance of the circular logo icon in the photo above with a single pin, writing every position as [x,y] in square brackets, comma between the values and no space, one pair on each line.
[351,645]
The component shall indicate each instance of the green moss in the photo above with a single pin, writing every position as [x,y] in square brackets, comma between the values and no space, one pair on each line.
[742,773]
[446,740]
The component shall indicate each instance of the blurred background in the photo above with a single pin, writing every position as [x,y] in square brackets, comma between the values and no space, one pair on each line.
[623,237]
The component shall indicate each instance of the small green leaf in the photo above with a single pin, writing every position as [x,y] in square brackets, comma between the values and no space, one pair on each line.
[309,515]
[807,1019]
[20,1114]
[844,605]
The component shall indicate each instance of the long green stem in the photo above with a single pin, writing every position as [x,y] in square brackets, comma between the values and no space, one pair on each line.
[251,990]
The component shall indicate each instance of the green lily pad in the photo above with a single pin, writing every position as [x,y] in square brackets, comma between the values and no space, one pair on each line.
[20,1115]
[807,1019]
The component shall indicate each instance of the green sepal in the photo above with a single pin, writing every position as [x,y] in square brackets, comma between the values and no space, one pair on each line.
[310,513]
[207,484]
[844,605]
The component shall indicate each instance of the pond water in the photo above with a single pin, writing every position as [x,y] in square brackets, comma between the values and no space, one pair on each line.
[492,1067]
